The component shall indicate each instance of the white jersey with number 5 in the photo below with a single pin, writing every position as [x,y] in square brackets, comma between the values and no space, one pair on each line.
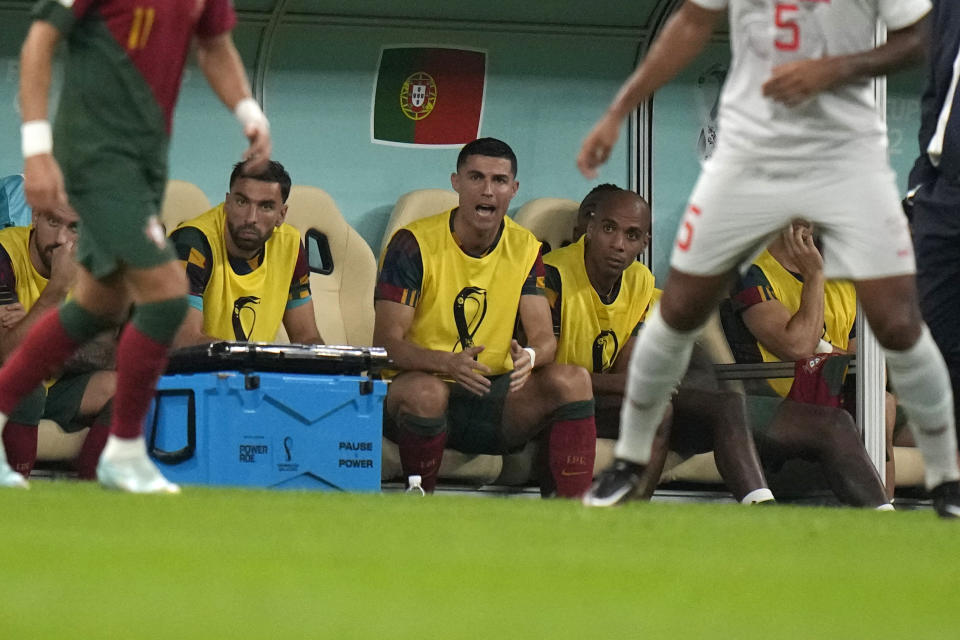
[841,122]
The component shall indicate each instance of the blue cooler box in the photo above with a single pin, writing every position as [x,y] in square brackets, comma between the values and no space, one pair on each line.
[268,429]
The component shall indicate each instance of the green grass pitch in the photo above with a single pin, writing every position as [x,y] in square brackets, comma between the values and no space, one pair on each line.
[79,562]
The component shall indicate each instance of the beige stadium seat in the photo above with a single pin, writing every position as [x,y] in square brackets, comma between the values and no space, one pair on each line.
[415,205]
[54,444]
[342,297]
[550,219]
[182,201]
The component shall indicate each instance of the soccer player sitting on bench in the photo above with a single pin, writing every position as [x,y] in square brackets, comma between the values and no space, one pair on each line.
[450,290]
[784,309]
[37,269]
[246,268]
[599,294]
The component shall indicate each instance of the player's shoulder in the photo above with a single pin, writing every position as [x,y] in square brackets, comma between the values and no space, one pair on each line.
[428,222]
[563,255]
[288,233]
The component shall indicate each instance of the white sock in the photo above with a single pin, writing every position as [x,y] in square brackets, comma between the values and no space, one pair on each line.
[124,448]
[657,364]
[885,507]
[919,377]
[757,495]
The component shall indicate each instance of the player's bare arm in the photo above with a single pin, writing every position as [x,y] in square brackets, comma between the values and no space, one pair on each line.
[796,336]
[393,321]
[43,181]
[684,36]
[301,325]
[223,68]
[795,82]
[191,331]
[537,325]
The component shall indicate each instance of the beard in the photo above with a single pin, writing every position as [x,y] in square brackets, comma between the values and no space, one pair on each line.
[46,256]
[248,241]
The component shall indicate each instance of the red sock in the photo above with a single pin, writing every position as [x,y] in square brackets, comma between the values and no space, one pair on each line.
[42,352]
[421,455]
[572,451]
[86,461]
[20,441]
[140,362]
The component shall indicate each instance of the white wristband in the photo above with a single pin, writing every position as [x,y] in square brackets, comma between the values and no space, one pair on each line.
[533,355]
[36,138]
[248,112]
[824,347]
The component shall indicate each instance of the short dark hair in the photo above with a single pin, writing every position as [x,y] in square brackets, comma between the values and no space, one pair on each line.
[490,147]
[274,172]
[606,186]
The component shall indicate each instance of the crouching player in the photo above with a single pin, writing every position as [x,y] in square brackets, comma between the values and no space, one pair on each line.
[450,290]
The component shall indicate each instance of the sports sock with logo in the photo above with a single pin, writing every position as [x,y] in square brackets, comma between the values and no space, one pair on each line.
[86,461]
[572,448]
[421,441]
[20,442]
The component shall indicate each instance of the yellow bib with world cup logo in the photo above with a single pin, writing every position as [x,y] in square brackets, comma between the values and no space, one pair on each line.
[592,333]
[839,309]
[30,284]
[246,307]
[467,301]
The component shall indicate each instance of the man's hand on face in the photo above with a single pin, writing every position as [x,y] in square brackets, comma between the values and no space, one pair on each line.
[798,239]
[63,266]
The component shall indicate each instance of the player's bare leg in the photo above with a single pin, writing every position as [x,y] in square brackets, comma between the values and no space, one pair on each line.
[657,364]
[921,381]
[829,437]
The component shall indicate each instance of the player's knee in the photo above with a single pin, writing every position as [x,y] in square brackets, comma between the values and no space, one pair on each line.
[565,383]
[160,320]
[420,395]
[99,392]
[898,329]
[837,430]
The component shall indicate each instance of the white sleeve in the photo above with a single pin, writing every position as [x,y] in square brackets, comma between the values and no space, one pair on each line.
[716,5]
[898,14]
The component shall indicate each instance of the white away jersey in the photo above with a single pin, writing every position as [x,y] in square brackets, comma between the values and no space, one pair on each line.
[767,33]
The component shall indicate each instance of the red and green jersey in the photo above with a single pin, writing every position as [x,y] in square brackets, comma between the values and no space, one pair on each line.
[103,36]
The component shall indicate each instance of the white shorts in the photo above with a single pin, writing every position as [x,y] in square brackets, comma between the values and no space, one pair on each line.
[737,207]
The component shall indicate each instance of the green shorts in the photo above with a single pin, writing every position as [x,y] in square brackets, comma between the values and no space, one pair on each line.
[63,401]
[31,407]
[116,173]
[761,410]
[474,422]
[60,403]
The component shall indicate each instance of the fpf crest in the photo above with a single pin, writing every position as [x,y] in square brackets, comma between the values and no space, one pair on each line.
[418,96]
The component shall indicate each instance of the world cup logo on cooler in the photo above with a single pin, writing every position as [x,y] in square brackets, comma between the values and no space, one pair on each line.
[418,96]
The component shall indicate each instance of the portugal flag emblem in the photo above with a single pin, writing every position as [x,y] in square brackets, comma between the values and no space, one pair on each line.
[428,96]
